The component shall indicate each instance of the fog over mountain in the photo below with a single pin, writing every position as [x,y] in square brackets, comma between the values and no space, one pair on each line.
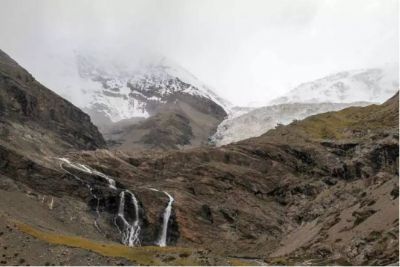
[199,133]
[262,48]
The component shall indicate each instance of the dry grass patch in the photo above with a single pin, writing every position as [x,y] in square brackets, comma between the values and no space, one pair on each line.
[149,255]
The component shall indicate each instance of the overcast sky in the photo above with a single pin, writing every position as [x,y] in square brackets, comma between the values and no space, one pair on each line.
[247,50]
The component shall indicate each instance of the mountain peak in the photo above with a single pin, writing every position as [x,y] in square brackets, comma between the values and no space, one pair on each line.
[123,89]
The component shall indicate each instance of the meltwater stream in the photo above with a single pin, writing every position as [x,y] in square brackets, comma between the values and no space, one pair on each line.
[162,242]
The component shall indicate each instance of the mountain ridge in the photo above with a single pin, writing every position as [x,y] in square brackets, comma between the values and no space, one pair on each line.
[330,93]
[321,191]
[141,90]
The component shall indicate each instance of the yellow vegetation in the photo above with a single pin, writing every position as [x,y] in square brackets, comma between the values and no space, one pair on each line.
[239,262]
[140,255]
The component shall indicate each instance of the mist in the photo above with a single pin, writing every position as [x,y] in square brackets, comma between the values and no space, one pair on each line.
[249,52]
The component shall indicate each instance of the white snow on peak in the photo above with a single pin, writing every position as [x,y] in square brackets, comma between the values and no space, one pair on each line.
[123,89]
[165,70]
[334,92]
[371,85]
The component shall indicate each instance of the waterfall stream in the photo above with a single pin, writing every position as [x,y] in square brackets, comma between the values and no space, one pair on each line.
[130,231]
[162,241]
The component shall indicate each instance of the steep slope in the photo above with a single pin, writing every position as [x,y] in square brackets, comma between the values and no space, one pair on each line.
[260,120]
[179,126]
[34,119]
[370,85]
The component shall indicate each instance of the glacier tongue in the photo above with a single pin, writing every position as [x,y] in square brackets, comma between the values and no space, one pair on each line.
[260,120]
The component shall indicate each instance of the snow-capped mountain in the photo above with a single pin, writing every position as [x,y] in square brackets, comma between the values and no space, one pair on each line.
[371,85]
[260,120]
[154,100]
[334,92]
[122,91]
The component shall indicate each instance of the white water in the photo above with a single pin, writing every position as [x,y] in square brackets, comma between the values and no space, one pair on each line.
[162,242]
[51,203]
[130,231]
[86,169]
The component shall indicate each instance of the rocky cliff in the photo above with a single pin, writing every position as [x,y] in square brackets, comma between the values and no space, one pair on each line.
[35,119]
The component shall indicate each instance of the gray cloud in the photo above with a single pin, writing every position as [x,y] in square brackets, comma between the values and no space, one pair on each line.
[246,50]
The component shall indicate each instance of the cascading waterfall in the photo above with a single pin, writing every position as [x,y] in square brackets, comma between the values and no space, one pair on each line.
[130,231]
[162,242]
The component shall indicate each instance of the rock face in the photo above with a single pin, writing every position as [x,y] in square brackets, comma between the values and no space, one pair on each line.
[34,118]
[178,126]
[317,191]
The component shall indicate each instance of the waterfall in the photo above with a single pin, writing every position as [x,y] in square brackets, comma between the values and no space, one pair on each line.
[130,231]
[162,242]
